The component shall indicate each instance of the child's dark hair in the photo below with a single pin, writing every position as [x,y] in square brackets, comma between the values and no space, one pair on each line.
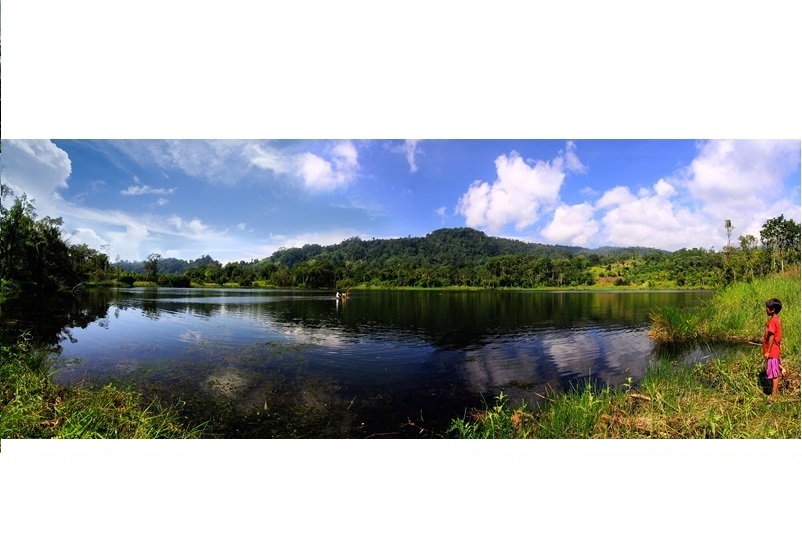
[774,304]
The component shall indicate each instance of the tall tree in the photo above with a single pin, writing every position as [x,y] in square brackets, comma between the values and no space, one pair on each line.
[152,266]
[781,237]
[728,227]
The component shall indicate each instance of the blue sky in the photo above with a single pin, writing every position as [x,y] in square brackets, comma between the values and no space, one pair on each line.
[244,199]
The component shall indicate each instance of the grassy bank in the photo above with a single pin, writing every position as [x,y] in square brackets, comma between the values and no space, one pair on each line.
[735,314]
[726,397]
[32,406]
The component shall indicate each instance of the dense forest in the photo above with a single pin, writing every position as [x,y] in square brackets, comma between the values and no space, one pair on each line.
[35,255]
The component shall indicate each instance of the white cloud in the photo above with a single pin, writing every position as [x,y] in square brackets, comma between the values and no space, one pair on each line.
[739,180]
[146,190]
[319,174]
[37,168]
[213,160]
[520,193]
[267,158]
[193,229]
[649,219]
[730,171]
[572,225]
[231,161]
[743,181]
[410,150]
[87,236]
[372,209]
[570,159]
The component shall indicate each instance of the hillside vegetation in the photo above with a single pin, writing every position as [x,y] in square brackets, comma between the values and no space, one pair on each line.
[463,257]
[34,255]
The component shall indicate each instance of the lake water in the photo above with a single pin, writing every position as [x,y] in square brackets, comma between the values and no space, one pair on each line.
[393,364]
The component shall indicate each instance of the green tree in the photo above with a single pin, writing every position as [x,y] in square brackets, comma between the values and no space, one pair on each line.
[152,267]
[780,237]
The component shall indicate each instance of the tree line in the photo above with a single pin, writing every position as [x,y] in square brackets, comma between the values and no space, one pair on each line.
[35,255]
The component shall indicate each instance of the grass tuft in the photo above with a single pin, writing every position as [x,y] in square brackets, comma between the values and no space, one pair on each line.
[32,406]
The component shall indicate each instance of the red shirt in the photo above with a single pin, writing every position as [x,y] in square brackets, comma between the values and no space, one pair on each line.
[773,327]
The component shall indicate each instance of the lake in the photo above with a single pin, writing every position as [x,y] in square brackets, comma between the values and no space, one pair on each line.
[391,364]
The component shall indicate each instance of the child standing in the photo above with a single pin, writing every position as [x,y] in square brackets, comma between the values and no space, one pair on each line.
[771,345]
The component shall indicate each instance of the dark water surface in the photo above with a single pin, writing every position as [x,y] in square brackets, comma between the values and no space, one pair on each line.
[283,363]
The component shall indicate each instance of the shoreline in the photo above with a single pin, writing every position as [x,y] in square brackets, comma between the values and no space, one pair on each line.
[726,397]
[723,397]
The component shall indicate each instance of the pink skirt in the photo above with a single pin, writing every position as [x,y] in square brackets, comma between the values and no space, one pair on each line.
[772,368]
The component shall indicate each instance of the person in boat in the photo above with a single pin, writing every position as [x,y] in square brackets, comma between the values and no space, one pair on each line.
[338,296]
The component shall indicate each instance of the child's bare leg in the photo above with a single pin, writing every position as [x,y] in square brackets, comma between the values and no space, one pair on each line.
[775,384]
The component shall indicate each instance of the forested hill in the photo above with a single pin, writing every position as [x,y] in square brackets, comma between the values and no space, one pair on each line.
[35,256]
[446,257]
[456,247]
[468,258]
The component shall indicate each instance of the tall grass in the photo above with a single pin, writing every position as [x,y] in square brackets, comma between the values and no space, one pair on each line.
[33,406]
[725,397]
[720,398]
[736,314]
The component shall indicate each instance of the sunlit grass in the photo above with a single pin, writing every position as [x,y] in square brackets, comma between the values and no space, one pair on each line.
[33,406]
[735,314]
[726,397]
[721,398]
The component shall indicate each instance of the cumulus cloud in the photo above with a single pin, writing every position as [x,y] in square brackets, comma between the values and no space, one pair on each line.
[739,180]
[37,168]
[572,225]
[743,181]
[320,174]
[523,189]
[730,171]
[88,236]
[649,218]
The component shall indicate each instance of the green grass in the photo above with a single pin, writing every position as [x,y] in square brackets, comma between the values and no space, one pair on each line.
[33,406]
[735,314]
[722,398]
[725,397]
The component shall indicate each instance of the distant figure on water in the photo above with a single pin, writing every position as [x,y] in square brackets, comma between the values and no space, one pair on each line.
[772,338]
[338,296]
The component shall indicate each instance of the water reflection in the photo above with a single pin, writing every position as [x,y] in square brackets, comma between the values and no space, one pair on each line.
[365,365]
[50,320]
